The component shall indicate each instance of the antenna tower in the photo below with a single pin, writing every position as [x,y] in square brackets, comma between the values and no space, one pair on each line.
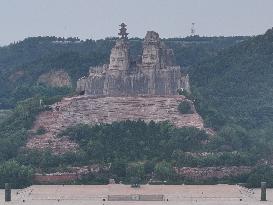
[192,29]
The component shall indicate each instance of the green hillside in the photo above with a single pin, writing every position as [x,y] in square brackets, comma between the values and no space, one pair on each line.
[231,79]
[22,63]
[236,86]
[234,95]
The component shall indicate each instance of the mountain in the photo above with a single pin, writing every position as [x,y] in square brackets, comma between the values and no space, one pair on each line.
[236,87]
[231,89]
[22,63]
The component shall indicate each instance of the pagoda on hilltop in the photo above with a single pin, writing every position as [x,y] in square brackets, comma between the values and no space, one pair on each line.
[155,74]
[123,31]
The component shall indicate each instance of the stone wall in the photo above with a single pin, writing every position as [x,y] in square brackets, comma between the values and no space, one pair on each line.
[71,174]
[55,178]
[193,173]
[153,82]
[136,197]
[204,173]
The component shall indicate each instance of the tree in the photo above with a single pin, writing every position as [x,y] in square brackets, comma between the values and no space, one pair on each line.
[164,170]
[118,168]
[18,175]
[185,107]
[135,169]
[261,173]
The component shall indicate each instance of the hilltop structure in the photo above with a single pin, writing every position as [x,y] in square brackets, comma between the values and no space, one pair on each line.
[155,74]
[119,91]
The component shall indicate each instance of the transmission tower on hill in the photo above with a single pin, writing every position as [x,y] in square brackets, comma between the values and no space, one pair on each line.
[193,29]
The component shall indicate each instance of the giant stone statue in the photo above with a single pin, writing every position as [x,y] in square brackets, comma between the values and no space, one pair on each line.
[156,74]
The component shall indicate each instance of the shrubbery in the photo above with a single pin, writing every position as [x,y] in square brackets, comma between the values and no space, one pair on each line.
[134,140]
[17,175]
[231,92]
[185,107]
[235,86]
[262,173]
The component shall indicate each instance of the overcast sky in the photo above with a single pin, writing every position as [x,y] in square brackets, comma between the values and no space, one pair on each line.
[100,18]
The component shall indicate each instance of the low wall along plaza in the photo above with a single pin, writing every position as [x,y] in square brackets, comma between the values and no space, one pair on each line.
[135,197]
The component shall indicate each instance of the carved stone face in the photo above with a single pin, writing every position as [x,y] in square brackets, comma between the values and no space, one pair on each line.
[150,56]
[118,60]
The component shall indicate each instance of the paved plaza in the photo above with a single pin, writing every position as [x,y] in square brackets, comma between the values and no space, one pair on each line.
[172,194]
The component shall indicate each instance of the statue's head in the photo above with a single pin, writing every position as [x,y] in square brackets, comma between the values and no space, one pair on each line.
[119,58]
[151,47]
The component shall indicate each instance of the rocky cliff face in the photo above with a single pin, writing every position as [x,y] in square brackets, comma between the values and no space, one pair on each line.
[58,78]
[156,74]
[121,90]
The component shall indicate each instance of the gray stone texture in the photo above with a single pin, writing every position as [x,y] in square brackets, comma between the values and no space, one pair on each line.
[105,109]
[58,78]
[156,74]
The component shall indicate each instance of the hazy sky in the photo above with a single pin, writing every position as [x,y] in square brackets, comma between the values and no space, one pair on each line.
[99,18]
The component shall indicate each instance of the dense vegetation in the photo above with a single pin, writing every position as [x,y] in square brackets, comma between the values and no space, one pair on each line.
[234,95]
[137,149]
[17,175]
[22,63]
[236,85]
[13,135]
[231,82]
[185,107]
[133,141]
[4,114]
[131,147]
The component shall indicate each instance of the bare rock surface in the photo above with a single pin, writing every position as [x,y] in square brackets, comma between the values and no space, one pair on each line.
[96,110]
[155,74]
[203,173]
[58,78]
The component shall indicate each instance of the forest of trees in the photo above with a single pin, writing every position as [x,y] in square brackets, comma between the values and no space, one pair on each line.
[236,85]
[231,80]
[138,149]
[35,56]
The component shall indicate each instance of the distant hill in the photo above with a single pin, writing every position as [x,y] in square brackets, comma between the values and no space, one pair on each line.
[231,81]
[22,63]
[236,86]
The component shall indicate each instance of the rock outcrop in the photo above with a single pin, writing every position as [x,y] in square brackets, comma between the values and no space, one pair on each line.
[58,78]
[118,91]
[98,109]
[155,74]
